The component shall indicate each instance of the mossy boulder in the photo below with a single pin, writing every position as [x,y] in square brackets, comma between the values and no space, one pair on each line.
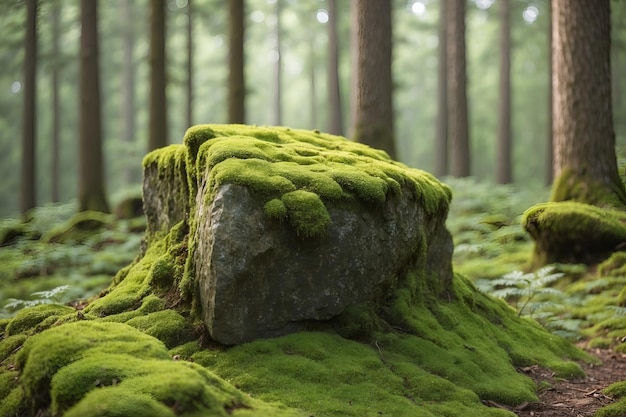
[571,232]
[289,226]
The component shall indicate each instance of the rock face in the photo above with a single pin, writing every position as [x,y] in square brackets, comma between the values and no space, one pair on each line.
[260,274]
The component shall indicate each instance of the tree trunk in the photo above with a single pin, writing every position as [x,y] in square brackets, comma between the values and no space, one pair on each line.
[128,80]
[585,164]
[504,174]
[56,107]
[312,84]
[278,70]
[458,132]
[236,62]
[29,117]
[549,148]
[374,108]
[91,194]
[335,116]
[158,114]
[189,112]
[441,141]
[354,63]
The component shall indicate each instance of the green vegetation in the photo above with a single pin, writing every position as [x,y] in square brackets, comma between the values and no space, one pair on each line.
[424,351]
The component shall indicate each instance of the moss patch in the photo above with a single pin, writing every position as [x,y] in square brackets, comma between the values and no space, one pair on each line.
[574,232]
[274,162]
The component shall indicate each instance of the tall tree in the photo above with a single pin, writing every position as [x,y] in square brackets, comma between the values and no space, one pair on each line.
[29,117]
[585,166]
[441,140]
[549,176]
[458,132]
[335,116]
[354,63]
[278,68]
[374,109]
[91,190]
[56,107]
[158,115]
[504,170]
[128,77]
[236,62]
[190,56]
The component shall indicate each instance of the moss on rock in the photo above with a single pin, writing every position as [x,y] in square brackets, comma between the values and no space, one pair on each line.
[78,228]
[574,232]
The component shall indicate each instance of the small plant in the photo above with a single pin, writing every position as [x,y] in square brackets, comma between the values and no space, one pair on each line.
[43,297]
[519,288]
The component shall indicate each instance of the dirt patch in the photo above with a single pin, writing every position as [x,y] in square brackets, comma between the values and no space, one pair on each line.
[574,398]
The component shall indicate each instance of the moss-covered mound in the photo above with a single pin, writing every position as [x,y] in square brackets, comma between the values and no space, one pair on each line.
[571,232]
[140,349]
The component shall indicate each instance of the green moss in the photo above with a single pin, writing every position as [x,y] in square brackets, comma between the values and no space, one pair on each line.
[615,265]
[275,209]
[78,228]
[10,345]
[117,402]
[274,161]
[570,185]
[28,318]
[574,232]
[167,326]
[306,213]
[14,404]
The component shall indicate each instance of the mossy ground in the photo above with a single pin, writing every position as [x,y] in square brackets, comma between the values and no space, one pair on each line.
[422,356]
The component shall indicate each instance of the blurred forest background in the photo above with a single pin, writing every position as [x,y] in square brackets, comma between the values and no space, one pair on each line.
[302,43]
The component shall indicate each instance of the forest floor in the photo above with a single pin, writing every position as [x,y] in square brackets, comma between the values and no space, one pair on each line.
[573,398]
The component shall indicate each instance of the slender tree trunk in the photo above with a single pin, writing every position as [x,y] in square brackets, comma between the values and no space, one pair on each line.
[189,65]
[158,114]
[585,165]
[236,62]
[29,121]
[278,70]
[354,63]
[458,132]
[441,142]
[549,148]
[56,107]
[504,174]
[374,111]
[128,79]
[335,116]
[91,193]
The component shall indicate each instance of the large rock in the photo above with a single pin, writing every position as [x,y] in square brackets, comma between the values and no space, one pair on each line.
[291,226]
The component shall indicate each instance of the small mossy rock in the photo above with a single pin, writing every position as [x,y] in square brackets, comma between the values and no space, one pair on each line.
[129,208]
[570,232]
[288,226]
[78,228]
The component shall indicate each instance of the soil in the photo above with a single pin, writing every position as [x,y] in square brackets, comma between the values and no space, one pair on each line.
[573,398]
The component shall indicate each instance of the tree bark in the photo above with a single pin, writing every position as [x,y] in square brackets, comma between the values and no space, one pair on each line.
[549,148]
[91,194]
[236,62]
[585,165]
[56,107]
[354,63]
[29,118]
[458,132]
[189,112]
[441,140]
[335,116]
[158,114]
[128,79]
[374,108]
[504,170]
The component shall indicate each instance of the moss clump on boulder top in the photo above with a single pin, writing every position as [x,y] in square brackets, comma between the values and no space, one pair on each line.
[571,232]
[275,161]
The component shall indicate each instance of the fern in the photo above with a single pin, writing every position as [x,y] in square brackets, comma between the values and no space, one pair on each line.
[43,297]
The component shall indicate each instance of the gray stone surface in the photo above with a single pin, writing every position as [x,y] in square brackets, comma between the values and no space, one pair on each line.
[258,279]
